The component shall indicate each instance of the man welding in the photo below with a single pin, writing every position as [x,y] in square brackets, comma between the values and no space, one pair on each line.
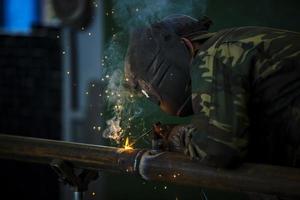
[242,86]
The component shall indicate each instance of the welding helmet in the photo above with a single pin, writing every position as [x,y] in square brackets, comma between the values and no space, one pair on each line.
[158,63]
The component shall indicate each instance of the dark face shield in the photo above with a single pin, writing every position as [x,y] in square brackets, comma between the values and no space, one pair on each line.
[157,65]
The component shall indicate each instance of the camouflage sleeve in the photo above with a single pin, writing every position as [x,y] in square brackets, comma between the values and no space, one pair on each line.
[231,65]
[220,97]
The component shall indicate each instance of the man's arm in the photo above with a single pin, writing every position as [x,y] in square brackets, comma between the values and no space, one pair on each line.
[219,133]
[207,144]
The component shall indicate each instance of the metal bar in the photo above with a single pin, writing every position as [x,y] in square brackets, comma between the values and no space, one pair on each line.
[165,166]
[174,168]
[74,69]
[84,156]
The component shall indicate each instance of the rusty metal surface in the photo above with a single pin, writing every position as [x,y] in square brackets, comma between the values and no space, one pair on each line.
[166,166]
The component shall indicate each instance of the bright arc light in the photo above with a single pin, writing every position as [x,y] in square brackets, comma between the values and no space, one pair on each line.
[127,145]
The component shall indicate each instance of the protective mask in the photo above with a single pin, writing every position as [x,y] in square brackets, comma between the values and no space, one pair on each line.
[157,64]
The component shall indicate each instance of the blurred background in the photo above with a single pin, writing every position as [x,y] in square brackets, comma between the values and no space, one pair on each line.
[60,72]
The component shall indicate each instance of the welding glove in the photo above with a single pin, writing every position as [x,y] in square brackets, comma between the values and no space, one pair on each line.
[175,138]
[181,139]
[199,146]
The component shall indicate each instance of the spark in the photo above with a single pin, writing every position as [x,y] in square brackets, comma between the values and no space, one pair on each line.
[165,187]
[127,145]
[99,128]
[137,9]
[68,72]
[57,36]
[93,193]
[64,52]
[90,33]
[118,107]
[86,93]
[141,136]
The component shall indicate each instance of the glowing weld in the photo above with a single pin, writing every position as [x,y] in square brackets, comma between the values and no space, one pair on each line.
[127,145]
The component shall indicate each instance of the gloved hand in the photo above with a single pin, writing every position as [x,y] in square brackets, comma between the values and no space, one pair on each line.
[182,139]
[177,138]
[197,145]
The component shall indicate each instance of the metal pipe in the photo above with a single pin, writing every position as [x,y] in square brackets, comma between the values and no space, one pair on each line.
[84,156]
[164,166]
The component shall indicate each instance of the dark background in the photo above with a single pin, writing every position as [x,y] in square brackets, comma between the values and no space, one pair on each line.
[50,85]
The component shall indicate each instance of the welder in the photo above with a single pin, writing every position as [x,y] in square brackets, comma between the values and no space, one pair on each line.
[240,85]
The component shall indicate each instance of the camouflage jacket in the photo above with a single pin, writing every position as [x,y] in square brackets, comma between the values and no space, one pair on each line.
[243,81]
